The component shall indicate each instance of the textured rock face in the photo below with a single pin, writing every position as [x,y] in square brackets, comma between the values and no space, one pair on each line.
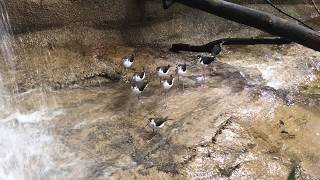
[239,127]
[64,36]
[138,21]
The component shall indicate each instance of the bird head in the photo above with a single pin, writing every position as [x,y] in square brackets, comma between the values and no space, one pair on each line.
[131,57]
[199,59]
[150,120]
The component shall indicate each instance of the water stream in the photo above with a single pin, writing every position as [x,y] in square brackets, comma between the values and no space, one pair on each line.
[25,139]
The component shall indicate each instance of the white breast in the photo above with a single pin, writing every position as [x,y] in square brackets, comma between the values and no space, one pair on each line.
[135,90]
[181,72]
[152,124]
[137,78]
[166,85]
[127,63]
[160,73]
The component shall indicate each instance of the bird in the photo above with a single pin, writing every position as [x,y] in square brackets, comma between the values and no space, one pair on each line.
[167,84]
[163,71]
[127,61]
[205,61]
[138,77]
[157,122]
[217,49]
[181,70]
[138,87]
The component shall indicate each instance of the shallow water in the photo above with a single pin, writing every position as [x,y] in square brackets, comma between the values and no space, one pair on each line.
[229,128]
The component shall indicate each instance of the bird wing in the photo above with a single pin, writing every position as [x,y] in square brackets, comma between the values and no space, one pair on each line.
[184,67]
[159,121]
[216,50]
[208,60]
[141,74]
[165,69]
[142,85]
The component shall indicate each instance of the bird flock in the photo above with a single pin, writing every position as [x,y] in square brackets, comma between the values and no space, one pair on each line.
[166,79]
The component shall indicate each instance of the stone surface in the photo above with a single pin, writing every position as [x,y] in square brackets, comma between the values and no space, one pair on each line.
[137,21]
[249,121]
[237,126]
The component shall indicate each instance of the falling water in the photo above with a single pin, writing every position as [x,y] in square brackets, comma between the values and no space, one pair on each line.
[23,140]
[7,47]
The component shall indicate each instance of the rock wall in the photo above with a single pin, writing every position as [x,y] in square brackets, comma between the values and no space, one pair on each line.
[137,21]
[64,42]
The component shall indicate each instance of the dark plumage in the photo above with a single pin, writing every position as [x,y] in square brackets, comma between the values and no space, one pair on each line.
[217,49]
[169,80]
[183,67]
[157,122]
[181,70]
[129,58]
[205,60]
[164,69]
[140,85]
[141,74]
[127,61]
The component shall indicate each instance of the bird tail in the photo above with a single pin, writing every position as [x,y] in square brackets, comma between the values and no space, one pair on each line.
[167,118]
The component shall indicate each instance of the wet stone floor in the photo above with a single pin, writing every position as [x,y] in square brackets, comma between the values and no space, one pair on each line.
[256,116]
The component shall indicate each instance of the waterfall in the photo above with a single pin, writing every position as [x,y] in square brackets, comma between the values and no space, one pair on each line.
[23,140]
[7,44]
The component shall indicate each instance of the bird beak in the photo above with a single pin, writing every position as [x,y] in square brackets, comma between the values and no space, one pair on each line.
[195,61]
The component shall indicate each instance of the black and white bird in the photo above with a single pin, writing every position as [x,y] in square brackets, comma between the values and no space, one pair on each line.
[127,61]
[217,49]
[167,84]
[138,77]
[157,122]
[138,87]
[163,71]
[205,61]
[181,70]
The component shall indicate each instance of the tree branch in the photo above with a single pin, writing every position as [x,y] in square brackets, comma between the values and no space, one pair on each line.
[258,19]
[229,41]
